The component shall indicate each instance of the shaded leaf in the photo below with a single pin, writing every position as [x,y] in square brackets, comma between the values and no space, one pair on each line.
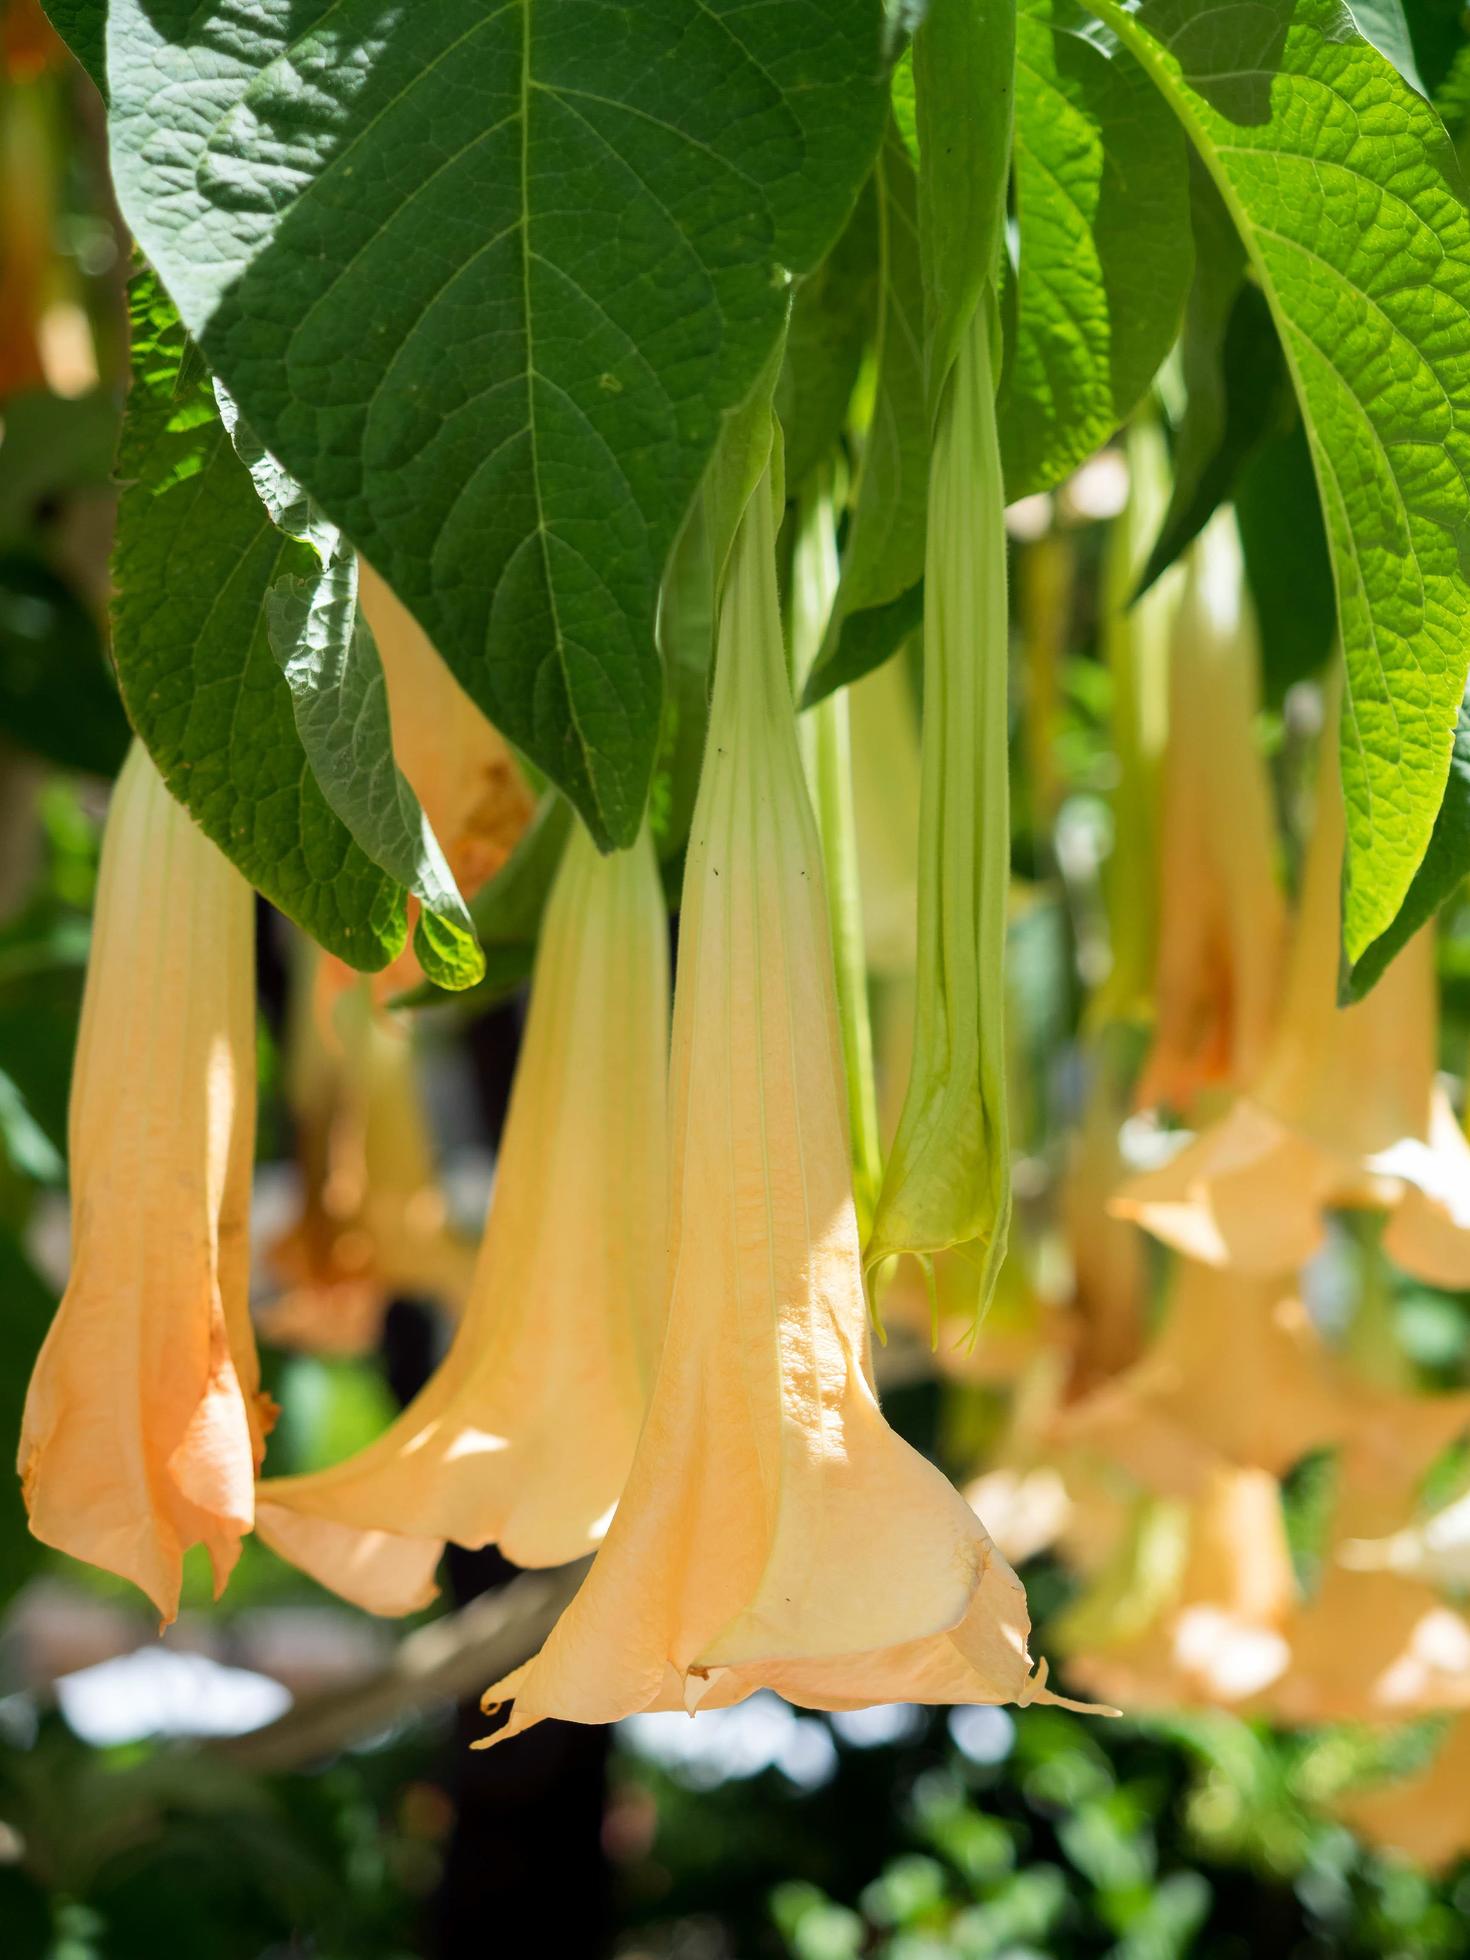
[1235,380]
[1287,564]
[880,596]
[487,280]
[196,555]
[833,318]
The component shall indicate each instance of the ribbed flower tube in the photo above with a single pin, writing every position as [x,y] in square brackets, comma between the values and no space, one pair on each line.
[144,1426]
[774,1531]
[524,1435]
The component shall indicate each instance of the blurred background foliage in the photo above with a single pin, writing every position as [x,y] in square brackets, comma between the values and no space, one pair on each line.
[140,1812]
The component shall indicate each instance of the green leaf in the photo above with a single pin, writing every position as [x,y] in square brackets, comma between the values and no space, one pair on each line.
[1237,389]
[964,61]
[1348,199]
[195,557]
[833,319]
[507,911]
[82,24]
[686,628]
[880,596]
[1102,199]
[326,650]
[1287,565]
[1382,22]
[486,280]
[1438,878]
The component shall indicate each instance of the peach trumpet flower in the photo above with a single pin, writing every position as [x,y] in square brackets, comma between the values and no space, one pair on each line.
[1221,1591]
[524,1434]
[462,769]
[1345,1112]
[1425,1817]
[1237,1374]
[1435,1549]
[1378,1645]
[1222,917]
[774,1531]
[374,1223]
[144,1425]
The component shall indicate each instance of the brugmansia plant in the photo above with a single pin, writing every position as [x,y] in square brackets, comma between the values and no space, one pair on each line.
[568,455]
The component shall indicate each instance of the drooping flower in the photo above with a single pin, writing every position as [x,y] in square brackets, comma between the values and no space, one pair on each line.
[1207,1625]
[1435,1548]
[1377,1645]
[461,767]
[1345,1111]
[373,1224]
[774,1530]
[1222,917]
[144,1425]
[1426,1816]
[1237,1374]
[524,1435]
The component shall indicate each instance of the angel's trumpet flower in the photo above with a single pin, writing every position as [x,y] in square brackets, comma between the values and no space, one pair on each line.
[1435,1549]
[374,1224]
[1221,1592]
[1222,918]
[1237,1374]
[524,1435]
[461,767]
[1345,1112]
[774,1531]
[144,1426]
[1426,1816]
[1378,1645]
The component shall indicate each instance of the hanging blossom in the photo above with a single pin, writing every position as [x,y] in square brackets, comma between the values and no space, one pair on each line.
[1435,1548]
[1425,1816]
[524,1435]
[1377,1645]
[1193,1609]
[374,1224]
[1345,1112]
[1237,1375]
[774,1532]
[1222,917]
[144,1424]
[462,768]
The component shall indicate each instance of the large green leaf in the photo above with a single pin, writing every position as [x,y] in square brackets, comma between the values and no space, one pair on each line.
[1102,198]
[486,279]
[1347,196]
[326,650]
[1236,386]
[196,556]
[1287,565]
[82,24]
[880,597]
[832,322]
[1443,871]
